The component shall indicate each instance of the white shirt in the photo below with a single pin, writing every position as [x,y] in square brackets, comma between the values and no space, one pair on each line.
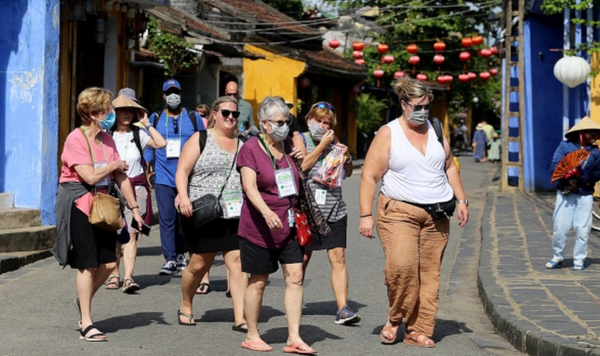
[129,152]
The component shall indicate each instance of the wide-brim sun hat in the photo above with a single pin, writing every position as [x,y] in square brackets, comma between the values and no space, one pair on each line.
[123,101]
[479,127]
[584,124]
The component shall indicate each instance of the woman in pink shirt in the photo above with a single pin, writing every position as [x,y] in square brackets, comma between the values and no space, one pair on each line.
[89,162]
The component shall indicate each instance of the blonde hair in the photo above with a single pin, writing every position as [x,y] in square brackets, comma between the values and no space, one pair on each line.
[216,107]
[407,88]
[93,101]
[322,113]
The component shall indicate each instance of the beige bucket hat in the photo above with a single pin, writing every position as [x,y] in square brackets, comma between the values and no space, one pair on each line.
[122,101]
[584,124]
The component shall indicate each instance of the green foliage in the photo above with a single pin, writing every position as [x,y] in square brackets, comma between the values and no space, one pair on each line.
[369,113]
[172,50]
[292,8]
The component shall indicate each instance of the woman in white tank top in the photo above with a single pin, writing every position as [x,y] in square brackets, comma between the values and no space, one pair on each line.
[419,188]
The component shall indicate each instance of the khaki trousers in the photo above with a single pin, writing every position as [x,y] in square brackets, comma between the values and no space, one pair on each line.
[414,245]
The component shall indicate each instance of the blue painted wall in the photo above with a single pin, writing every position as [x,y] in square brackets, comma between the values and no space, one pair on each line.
[29,54]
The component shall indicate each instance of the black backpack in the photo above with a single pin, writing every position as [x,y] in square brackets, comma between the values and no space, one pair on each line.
[136,139]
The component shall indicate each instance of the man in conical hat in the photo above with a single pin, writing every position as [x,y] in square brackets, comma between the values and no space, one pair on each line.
[574,198]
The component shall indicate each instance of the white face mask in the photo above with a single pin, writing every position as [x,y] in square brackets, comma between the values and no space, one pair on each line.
[173,101]
[279,132]
[316,131]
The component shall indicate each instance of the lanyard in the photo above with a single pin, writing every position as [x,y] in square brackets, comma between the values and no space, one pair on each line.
[271,155]
[228,155]
[90,146]
[167,125]
[322,156]
[126,143]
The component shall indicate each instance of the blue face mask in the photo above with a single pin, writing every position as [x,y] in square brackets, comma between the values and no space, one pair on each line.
[109,121]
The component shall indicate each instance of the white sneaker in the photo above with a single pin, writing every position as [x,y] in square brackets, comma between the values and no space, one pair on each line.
[168,269]
[181,262]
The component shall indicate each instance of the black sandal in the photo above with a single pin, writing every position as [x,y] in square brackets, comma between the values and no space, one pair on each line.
[97,337]
[240,327]
[190,318]
[203,288]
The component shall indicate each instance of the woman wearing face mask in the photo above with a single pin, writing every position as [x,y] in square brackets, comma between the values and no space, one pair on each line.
[270,182]
[318,142]
[420,183]
[89,161]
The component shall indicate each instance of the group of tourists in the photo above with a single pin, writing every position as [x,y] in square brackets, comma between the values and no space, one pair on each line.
[207,160]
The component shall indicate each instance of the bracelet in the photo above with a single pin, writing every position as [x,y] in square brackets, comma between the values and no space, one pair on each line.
[366,215]
[134,207]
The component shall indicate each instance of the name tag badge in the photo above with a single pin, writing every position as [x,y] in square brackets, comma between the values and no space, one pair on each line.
[321,196]
[173,148]
[233,203]
[285,182]
[103,182]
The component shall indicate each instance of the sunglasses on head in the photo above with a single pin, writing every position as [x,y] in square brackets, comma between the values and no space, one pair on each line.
[419,107]
[325,105]
[280,123]
[226,113]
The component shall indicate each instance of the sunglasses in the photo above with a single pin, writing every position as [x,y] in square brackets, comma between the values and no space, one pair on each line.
[419,107]
[325,105]
[226,113]
[231,94]
[280,123]
[175,126]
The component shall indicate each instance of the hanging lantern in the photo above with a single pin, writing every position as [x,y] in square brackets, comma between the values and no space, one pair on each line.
[334,43]
[357,55]
[358,46]
[414,60]
[472,76]
[439,46]
[466,42]
[485,53]
[412,48]
[388,59]
[399,74]
[304,82]
[494,50]
[441,79]
[484,76]
[448,78]
[438,59]
[422,77]
[463,78]
[477,40]
[382,48]
[464,56]
[378,73]
[360,61]
[571,70]
[493,71]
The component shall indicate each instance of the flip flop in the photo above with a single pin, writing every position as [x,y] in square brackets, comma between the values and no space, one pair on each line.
[299,348]
[111,284]
[255,345]
[190,318]
[240,327]
[204,288]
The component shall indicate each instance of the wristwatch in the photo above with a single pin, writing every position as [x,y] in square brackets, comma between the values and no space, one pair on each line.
[463,201]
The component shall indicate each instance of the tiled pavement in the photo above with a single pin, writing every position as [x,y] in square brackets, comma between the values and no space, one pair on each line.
[540,311]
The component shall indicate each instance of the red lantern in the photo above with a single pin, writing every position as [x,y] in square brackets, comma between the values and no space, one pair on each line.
[422,77]
[438,59]
[388,59]
[477,40]
[358,46]
[359,61]
[399,74]
[493,71]
[378,73]
[472,75]
[484,76]
[464,56]
[357,54]
[466,42]
[463,78]
[448,78]
[494,50]
[485,53]
[382,48]
[441,79]
[414,60]
[334,43]
[412,48]
[304,82]
[439,46]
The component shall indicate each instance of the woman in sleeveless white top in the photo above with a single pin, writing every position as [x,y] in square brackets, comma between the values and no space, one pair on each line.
[200,173]
[417,171]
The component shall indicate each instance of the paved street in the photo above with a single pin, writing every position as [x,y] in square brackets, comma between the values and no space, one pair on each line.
[38,316]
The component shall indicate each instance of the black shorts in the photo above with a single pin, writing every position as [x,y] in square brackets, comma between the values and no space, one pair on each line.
[215,236]
[335,238]
[91,246]
[260,260]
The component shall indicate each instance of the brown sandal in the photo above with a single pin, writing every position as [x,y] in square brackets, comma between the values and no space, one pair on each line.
[389,329]
[417,338]
[112,282]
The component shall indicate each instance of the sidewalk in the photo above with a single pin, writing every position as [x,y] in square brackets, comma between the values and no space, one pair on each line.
[539,311]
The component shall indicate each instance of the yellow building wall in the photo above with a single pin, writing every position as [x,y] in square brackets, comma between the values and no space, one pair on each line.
[595,88]
[273,76]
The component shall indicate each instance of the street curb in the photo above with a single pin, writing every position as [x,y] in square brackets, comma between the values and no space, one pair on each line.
[523,335]
[10,263]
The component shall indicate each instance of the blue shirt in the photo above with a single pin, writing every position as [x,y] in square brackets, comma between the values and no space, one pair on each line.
[590,174]
[164,167]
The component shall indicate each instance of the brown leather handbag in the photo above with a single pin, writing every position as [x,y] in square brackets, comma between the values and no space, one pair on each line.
[105,213]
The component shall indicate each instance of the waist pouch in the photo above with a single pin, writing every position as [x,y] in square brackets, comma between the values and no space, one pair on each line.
[438,210]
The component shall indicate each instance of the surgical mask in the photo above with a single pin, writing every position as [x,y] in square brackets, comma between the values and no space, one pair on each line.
[109,121]
[419,117]
[173,101]
[316,131]
[279,132]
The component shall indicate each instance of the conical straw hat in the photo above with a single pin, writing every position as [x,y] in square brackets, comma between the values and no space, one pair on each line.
[584,124]
[123,101]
